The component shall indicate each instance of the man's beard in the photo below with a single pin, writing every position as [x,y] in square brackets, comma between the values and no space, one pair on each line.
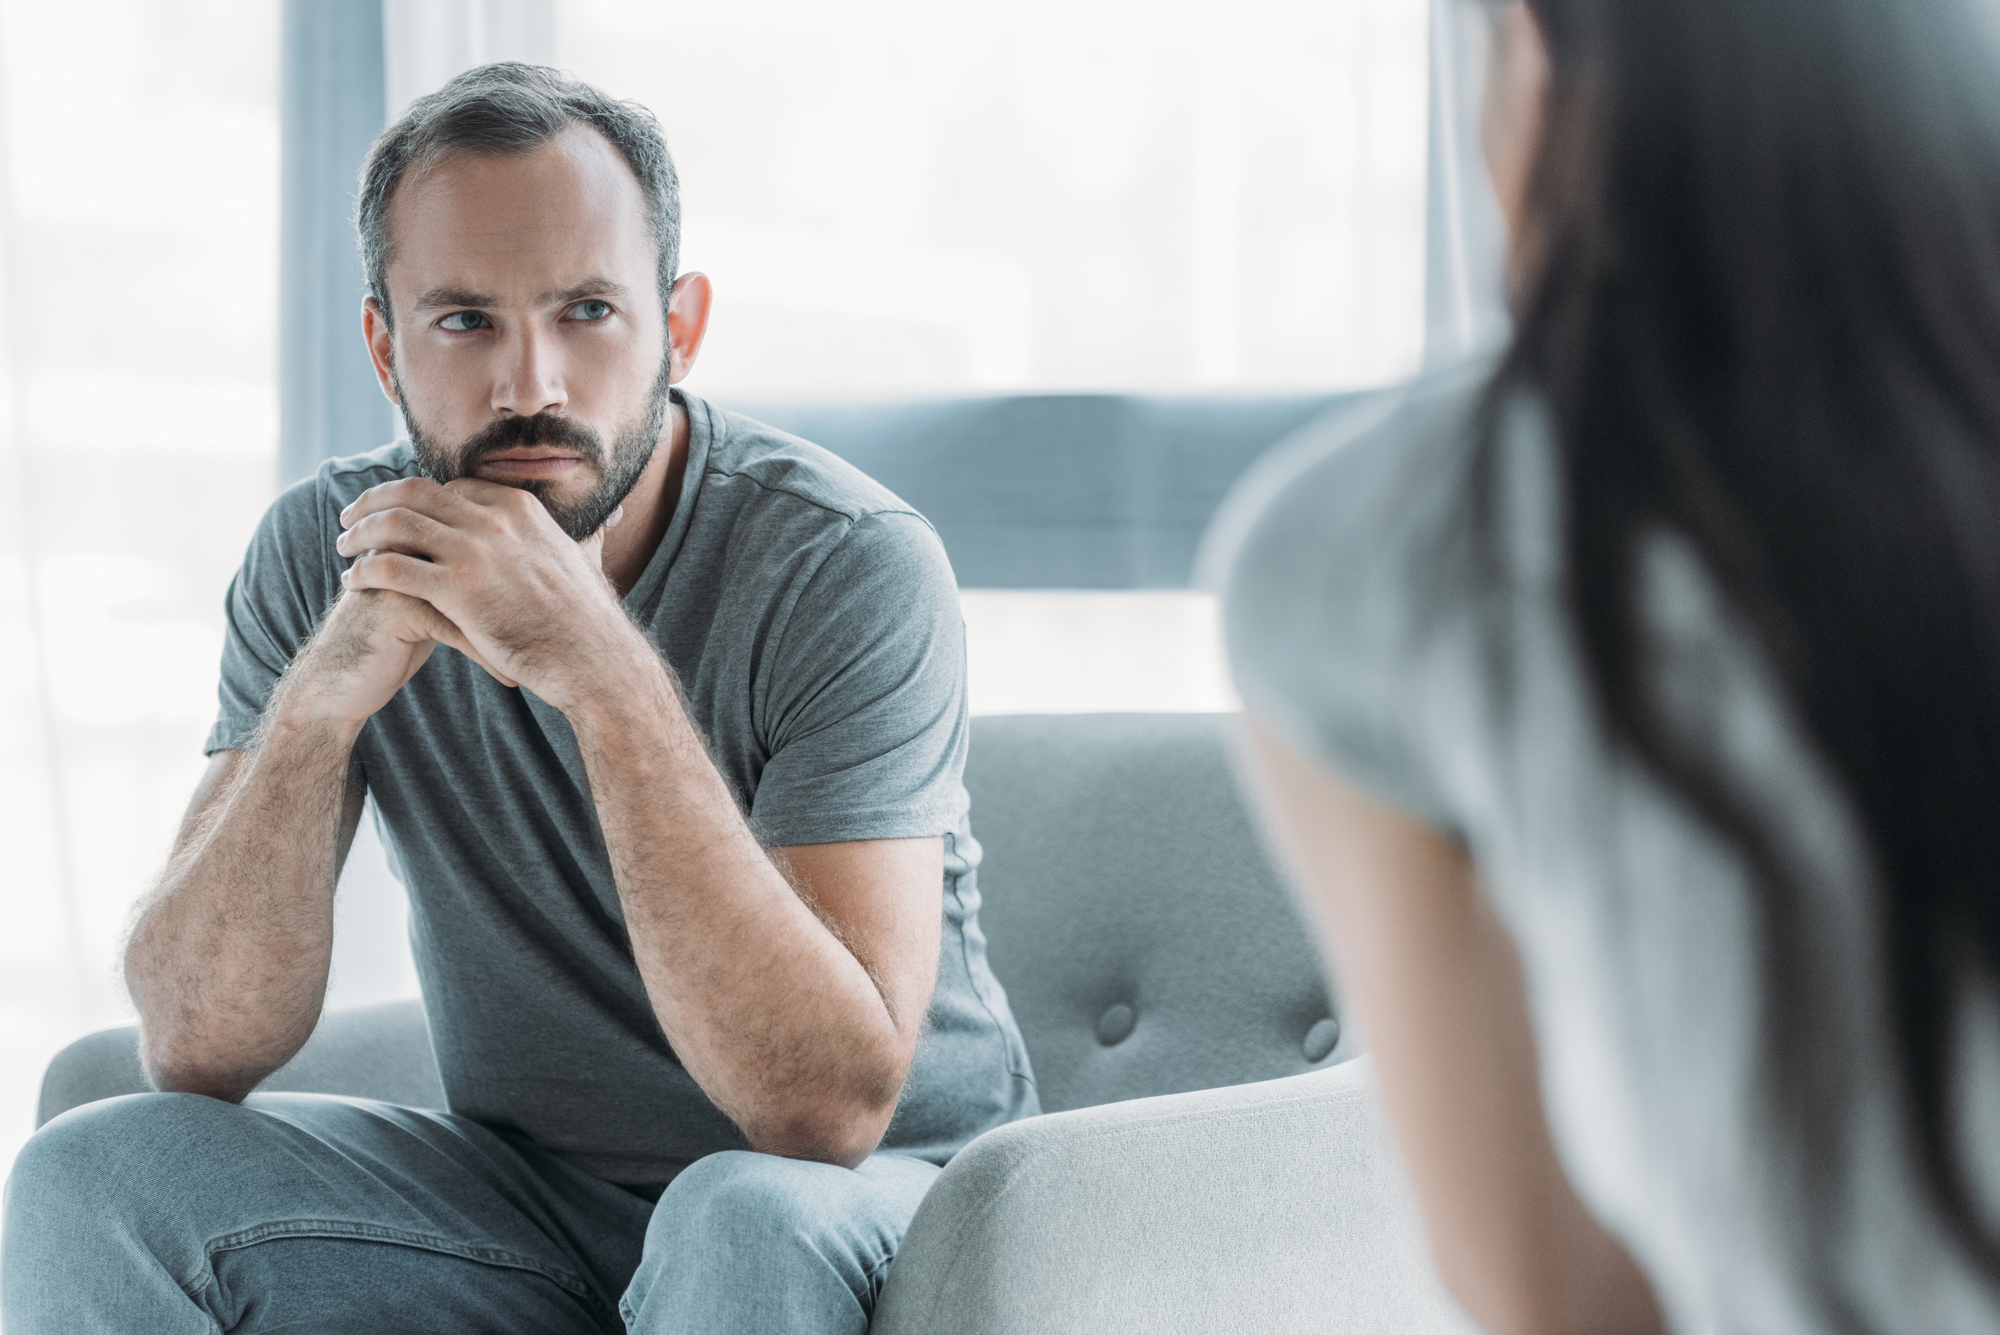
[616,475]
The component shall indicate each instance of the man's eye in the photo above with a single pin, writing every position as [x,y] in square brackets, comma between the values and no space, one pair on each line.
[590,310]
[461,321]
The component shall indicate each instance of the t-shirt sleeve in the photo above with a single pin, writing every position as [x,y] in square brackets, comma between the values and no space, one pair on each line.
[275,600]
[866,707]
[1323,605]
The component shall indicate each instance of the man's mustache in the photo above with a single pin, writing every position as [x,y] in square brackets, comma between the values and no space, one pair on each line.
[513,433]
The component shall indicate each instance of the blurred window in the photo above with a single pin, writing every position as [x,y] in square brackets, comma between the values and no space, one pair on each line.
[1150,195]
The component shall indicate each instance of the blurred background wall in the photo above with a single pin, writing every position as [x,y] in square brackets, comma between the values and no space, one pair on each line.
[892,197]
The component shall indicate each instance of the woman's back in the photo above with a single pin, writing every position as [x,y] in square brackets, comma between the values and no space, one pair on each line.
[1361,637]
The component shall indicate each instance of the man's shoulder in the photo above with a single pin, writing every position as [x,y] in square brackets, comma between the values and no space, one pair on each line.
[336,482]
[300,520]
[341,480]
[771,467]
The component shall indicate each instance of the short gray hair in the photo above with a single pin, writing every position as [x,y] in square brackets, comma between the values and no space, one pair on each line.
[507,108]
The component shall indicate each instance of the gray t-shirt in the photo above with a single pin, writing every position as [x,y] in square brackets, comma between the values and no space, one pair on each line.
[1358,633]
[814,622]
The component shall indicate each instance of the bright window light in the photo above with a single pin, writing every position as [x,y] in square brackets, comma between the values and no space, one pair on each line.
[1075,194]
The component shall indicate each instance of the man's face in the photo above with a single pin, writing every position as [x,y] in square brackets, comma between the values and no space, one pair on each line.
[529,347]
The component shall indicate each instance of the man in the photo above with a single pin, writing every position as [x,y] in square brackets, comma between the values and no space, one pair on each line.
[664,718]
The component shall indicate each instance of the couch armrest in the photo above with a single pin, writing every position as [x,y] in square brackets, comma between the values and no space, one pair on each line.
[1266,1208]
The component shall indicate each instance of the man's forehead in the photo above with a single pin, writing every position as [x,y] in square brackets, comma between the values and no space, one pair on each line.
[539,223]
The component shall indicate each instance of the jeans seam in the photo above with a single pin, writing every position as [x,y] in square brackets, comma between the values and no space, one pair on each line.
[877,1273]
[365,1232]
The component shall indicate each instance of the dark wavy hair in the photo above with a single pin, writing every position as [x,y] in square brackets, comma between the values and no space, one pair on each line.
[1759,294]
[505,108]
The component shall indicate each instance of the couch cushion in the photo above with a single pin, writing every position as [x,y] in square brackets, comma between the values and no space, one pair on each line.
[1146,943]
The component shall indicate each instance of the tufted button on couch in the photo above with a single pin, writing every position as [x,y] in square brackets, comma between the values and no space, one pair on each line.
[1211,1156]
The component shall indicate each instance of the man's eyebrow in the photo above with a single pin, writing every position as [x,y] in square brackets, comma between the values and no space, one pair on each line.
[439,297]
[589,287]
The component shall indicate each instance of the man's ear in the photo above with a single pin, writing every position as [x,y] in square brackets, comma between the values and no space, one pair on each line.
[381,345]
[687,323]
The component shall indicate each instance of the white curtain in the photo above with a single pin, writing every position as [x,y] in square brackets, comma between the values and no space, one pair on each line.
[139,187]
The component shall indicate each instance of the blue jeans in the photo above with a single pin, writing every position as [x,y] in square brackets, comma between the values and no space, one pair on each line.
[170,1213]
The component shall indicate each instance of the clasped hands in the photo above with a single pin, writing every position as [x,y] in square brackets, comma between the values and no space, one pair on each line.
[471,564]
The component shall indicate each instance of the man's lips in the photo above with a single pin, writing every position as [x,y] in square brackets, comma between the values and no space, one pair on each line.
[524,465]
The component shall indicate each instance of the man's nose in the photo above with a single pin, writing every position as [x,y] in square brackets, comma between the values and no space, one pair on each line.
[530,378]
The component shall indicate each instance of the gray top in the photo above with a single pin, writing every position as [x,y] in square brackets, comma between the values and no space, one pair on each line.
[1357,635]
[814,623]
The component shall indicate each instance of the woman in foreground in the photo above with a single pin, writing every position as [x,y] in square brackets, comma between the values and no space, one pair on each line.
[1631,712]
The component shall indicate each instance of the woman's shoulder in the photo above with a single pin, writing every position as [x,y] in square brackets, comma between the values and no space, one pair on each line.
[1334,562]
[1373,462]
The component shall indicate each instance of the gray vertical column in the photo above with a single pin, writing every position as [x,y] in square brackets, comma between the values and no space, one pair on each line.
[1466,240]
[333,98]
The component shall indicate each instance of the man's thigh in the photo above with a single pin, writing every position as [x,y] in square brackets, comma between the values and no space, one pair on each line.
[173,1212]
[750,1242]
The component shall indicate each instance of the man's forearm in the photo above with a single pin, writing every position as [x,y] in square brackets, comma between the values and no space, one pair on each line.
[228,962]
[773,1016]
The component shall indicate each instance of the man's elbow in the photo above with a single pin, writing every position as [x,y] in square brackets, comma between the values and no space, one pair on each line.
[841,1131]
[171,1075]
[185,1059]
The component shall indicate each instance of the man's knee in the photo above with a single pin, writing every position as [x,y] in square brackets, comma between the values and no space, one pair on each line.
[743,1195]
[743,1238]
[749,1198]
[109,1149]
[109,1174]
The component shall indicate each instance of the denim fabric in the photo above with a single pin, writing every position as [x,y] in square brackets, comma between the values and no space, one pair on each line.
[305,1213]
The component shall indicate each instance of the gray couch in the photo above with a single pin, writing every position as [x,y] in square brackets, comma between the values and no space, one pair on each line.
[1212,1157]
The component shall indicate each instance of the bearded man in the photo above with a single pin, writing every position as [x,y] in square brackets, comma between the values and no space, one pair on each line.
[663,714]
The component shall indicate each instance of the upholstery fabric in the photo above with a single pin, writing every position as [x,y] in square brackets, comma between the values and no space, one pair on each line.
[1146,945]
[1264,1209]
